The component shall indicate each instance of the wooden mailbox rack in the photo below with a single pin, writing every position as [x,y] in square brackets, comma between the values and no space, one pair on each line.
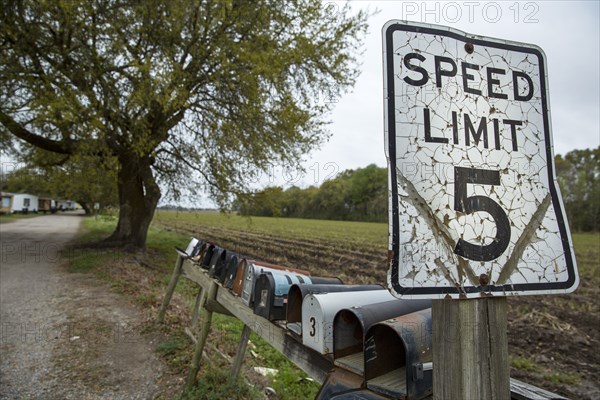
[213,297]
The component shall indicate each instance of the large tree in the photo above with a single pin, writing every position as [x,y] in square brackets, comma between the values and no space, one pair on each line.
[184,92]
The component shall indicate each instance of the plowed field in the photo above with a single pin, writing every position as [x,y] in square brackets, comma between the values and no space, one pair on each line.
[554,341]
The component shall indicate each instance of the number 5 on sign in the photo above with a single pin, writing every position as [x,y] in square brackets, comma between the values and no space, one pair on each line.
[474,204]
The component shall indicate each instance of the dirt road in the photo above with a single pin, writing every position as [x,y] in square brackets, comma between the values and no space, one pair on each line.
[64,335]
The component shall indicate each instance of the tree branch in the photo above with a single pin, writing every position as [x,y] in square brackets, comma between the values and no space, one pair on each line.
[61,147]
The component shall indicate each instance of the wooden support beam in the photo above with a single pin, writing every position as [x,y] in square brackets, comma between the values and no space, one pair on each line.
[470,349]
[170,289]
[206,322]
[241,351]
[197,307]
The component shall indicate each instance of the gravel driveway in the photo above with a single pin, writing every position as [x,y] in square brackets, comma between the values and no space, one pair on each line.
[64,335]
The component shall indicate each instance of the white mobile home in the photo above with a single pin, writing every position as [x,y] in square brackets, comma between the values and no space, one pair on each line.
[24,202]
[65,205]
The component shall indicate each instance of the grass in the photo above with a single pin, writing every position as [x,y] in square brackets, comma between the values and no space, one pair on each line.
[524,364]
[14,217]
[587,251]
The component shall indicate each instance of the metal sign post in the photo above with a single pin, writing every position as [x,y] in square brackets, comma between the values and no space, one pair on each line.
[475,209]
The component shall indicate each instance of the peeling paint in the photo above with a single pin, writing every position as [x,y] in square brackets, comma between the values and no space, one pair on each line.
[470,152]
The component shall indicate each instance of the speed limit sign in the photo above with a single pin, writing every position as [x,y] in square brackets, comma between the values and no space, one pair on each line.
[475,208]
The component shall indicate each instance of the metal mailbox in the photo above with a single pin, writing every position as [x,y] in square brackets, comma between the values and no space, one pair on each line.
[206,255]
[238,281]
[217,253]
[223,269]
[318,311]
[398,356]
[232,268]
[254,270]
[192,249]
[350,326]
[299,292]
[271,292]
[216,262]
[344,385]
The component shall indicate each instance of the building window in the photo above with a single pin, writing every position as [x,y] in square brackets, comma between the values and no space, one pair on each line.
[26,202]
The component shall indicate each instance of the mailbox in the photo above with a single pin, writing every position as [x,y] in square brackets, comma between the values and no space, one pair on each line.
[350,326]
[271,292]
[216,262]
[232,268]
[254,270]
[343,385]
[398,356]
[223,270]
[192,249]
[206,255]
[217,253]
[318,311]
[238,281]
[299,292]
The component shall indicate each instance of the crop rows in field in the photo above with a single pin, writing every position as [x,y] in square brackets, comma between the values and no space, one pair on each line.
[363,264]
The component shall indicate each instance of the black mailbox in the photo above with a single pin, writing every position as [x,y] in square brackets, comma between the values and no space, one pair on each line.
[217,262]
[206,255]
[398,356]
[271,292]
[297,293]
[217,253]
[351,324]
[232,270]
[223,270]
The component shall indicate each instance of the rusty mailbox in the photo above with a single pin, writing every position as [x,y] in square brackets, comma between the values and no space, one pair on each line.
[350,326]
[398,356]
[318,311]
[255,269]
[299,292]
[271,292]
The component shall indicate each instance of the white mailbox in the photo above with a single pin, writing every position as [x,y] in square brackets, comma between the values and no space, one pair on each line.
[319,310]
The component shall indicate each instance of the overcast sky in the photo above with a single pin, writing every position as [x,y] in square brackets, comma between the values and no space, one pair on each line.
[567,32]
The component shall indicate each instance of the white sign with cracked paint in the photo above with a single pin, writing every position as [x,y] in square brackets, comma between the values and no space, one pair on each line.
[475,208]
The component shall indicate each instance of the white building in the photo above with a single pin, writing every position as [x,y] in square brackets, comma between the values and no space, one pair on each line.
[24,202]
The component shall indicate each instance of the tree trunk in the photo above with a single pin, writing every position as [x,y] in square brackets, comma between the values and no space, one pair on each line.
[138,197]
[85,207]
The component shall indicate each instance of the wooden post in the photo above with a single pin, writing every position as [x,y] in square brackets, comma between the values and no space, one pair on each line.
[206,322]
[241,351]
[170,289]
[470,349]
[197,307]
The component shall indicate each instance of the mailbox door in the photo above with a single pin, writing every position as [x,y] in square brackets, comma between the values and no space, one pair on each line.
[216,262]
[231,272]
[224,270]
[318,311]
[189,250]
[240,274]
[205,262]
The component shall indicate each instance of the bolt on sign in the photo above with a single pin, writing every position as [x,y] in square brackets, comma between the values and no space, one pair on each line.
[475,208]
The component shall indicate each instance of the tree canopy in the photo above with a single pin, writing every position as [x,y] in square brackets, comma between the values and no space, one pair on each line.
[186,93]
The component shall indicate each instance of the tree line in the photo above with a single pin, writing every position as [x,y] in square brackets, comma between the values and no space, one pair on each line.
[362,194]
[354,195]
